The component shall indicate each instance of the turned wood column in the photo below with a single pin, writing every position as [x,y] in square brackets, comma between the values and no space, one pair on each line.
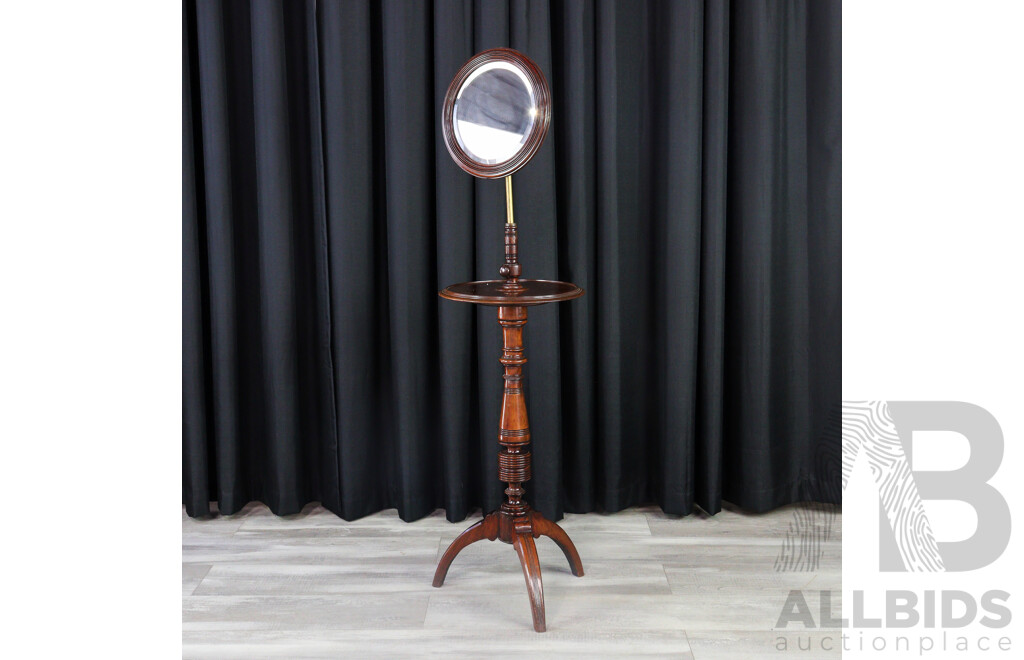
[514,522]
[514,437]
[511,269]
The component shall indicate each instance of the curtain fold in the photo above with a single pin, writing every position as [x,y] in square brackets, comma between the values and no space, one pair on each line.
[690,182]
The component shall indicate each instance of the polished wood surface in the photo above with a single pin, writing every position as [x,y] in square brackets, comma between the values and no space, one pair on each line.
[520,531]
[490,292]
[544,527]
[514,522]
[511,291]
[527,551]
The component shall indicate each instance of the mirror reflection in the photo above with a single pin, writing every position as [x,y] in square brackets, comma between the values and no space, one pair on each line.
[494,112]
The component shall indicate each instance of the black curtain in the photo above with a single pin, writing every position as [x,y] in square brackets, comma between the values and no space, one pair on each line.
[690,183]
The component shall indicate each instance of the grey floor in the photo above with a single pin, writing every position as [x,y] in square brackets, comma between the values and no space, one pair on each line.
[313,585]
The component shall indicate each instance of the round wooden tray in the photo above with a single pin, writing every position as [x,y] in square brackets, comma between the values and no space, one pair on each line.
[489,292]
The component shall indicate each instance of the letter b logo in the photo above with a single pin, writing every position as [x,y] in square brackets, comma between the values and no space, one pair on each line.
[883,431]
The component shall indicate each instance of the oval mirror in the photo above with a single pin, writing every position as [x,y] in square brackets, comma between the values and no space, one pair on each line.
[496,113]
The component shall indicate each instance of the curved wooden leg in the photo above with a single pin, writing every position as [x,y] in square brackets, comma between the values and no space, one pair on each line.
[484,529]
[527,550]
[544,527]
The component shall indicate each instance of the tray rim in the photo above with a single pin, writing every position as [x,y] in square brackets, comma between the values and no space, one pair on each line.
[511,299]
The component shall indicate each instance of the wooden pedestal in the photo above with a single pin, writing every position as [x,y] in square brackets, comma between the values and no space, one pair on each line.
[514,522]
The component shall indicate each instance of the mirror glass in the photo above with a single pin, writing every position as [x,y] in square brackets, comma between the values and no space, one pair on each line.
[495,110]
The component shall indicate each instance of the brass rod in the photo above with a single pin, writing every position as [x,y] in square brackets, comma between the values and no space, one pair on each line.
[508,200]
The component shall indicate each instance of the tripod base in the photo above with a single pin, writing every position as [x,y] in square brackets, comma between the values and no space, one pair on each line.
[520,530]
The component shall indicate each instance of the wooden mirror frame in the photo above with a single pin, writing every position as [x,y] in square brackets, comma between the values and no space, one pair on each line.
[539,130]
